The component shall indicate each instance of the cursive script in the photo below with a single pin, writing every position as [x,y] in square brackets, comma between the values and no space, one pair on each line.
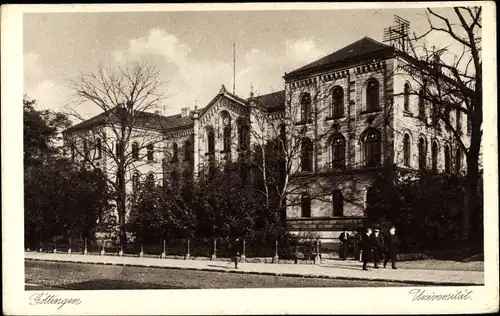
[424,295]
[53,299]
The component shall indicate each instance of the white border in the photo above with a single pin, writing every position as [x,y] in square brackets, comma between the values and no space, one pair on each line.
[255,301]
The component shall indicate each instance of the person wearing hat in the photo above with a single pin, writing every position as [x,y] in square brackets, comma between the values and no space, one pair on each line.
[391,244]
[366,247]
[377,246]
[344,244]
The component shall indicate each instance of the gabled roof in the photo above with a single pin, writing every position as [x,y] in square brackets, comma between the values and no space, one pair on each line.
[225,93]
[358,50]
[274,101]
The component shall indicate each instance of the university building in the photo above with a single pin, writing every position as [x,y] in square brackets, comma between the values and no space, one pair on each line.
[340,119]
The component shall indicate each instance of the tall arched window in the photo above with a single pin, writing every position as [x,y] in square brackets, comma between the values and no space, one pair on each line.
[458,160]
[135,181]
[73,153]
[337,102]
[150,150]
[338,151]
[447,159]
[210,146]
[434,154]
[305,107]
[372,148]
[243,136]
[135,150]
[458,120]
[174,178]
[407,90]
[406,150]
[422,153]
[150,179]
[98,146]
[227,138]
[306,155]
[372,95]
[118,149]
[421,103]
[305,205]
[175,152]
[188,150]
[337,203]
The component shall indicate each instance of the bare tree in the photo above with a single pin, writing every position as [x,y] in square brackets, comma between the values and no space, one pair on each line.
[452,83]
[127,132]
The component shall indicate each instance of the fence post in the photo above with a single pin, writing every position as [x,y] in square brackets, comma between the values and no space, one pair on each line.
[69,245]
[102,248]
[41,246]
[141,254]
[163,253]
[85,246]
[296,259]
[243,256]
[276,257]
[317,257]
[55,245]
[188,252]
[120,253]
[214,256]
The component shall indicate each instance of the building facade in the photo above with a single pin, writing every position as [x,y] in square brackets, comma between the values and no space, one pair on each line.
[340,120]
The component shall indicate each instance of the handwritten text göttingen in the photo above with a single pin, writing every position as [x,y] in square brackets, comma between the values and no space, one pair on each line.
[52,299]
[423,295]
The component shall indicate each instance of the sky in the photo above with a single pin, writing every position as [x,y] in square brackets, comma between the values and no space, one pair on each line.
[192,49]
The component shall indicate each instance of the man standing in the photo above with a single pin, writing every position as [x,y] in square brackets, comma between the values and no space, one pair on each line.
[391,244]
[234,250]
[378,246]
[344,244]
[366,247]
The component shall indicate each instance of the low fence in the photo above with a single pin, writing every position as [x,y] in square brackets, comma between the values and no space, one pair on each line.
[269,251]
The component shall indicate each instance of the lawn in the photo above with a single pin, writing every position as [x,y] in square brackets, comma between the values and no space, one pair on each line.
[105,277]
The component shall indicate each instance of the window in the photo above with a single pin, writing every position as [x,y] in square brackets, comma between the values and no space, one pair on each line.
[85,149]
[458,120]
[338,102]
[210,140]
[305,205]
[73,153]
[372,95]
[119,149]
[175,152]
[435,112]
[447,159]
[434,153]
[243,172]
[243,136]
[421,104]
[135,150]
[150,150]
[406,150]
[227,139]
[135,181]
[337,203]
[305,106]
[98,148]
[422,154]
[372,148]
[458,160]
[306,155]
[188,150]
[338,152]
[406,104]
[174,178]
[150,179]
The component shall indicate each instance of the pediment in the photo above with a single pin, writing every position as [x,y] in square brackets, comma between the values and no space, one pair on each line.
[224,100]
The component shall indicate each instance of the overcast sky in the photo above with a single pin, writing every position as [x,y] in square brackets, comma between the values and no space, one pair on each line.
[193,50]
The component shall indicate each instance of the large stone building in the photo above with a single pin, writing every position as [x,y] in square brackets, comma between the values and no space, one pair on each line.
[341,118]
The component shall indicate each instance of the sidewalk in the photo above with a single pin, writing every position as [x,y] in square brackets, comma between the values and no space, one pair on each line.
[328,269]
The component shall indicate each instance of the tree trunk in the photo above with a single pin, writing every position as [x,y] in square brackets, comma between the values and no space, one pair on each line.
[121,206]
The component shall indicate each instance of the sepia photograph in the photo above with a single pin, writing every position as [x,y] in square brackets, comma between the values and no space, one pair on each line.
[254,149]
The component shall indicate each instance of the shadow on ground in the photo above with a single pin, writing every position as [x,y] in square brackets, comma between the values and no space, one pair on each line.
[105,284]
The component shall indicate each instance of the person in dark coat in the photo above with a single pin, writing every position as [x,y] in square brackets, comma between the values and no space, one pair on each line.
[234,250]
[366,247]
[391,245]
[344,244]
[377,247]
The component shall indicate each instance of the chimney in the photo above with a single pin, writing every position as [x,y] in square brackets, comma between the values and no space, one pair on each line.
[184,112]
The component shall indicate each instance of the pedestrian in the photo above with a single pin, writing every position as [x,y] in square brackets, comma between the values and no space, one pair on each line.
[234,251]
[391,244]
[377,247]
[344,244]
[366,247]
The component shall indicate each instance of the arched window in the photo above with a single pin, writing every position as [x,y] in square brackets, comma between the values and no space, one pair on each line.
[406,104]
[119,149]
[73,153]
[135,150]
[372,148]
[337,203]
[406,150]
[174,178]
[98,146]
[150,149]
[210,140]
[458,120]
[458,160]
[447,159]
[243,136]
[338,102]
[372,95]
[227,138]
[306,155]
[421,103]
[135,181]
[150,179]
[305,107]
[188,150]
[175,152]
[422,153]
[434,154]
[338,152]
[305,205]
